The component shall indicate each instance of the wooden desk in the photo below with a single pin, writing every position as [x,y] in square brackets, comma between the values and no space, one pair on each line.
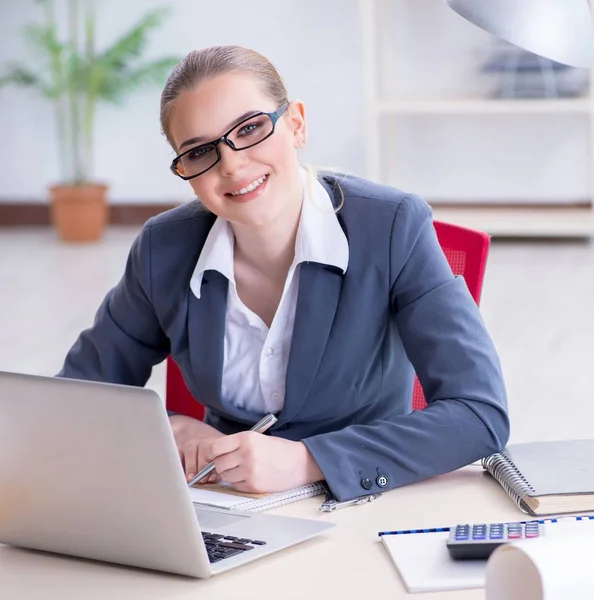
[347,562]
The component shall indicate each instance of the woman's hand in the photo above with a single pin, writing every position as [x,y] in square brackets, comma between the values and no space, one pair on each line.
[192,437]
[253,462]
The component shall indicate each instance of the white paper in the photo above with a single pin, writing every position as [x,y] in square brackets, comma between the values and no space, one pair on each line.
[557,566]
[424,563]
[219,499]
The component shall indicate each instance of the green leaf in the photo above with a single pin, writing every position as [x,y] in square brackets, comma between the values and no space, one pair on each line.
[20,75]
[43,39]
[77,71]
[117,85]
[52,55]
[131,44]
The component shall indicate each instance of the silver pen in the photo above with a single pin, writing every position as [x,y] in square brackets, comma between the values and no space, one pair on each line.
[261,426]
[331,504]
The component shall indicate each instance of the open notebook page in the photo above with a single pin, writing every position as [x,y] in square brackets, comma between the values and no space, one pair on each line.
[221,495]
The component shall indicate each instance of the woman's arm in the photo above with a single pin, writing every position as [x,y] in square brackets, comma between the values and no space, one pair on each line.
[456,362]
[125,340]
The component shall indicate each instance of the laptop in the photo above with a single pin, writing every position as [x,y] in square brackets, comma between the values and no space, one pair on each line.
[91,470]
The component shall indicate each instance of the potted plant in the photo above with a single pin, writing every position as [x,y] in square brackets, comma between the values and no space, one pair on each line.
[75,77]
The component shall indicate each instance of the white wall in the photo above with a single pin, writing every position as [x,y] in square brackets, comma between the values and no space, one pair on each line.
[314,45]
[428,52]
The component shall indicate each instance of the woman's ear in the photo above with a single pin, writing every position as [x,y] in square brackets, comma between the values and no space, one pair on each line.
[296,113]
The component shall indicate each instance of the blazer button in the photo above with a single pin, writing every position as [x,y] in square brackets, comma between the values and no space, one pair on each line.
[382,481]
[283,427]
[366,484]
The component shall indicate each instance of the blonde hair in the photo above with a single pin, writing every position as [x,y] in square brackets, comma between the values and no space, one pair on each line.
[317,173]
[208,63]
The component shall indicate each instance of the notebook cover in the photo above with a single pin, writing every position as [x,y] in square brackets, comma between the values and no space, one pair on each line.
[555,468]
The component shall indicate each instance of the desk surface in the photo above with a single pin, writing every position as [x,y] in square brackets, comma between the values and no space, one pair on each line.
[349,561]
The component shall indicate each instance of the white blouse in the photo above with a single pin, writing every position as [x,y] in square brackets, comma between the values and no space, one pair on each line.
[256,357]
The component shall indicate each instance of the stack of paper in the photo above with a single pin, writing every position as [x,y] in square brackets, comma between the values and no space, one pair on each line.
[560,560]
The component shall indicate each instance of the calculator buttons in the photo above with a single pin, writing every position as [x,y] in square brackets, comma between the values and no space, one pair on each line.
[514,531]
[532,530]
[496,531]
[462,532]
[479,540]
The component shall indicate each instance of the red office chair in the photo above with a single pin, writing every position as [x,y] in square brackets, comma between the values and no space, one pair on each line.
[177,395]
[465,249]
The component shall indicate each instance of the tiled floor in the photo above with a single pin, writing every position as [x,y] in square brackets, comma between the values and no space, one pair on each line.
[538,303]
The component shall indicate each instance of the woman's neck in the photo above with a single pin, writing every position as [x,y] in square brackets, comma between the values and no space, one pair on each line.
[270,248]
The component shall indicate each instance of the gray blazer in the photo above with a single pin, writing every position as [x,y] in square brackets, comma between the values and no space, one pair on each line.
[356,340]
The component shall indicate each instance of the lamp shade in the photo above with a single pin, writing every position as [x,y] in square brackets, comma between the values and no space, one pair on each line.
[560,30]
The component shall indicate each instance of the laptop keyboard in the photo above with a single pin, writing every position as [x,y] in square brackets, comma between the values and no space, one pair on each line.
[219,546]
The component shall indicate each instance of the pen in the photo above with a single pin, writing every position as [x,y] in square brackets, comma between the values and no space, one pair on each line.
[331,504]
[409,531]
[261,426]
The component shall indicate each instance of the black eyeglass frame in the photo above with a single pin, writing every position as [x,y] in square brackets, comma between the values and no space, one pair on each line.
[274,117]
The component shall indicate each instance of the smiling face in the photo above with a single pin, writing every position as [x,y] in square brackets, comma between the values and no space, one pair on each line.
[255,186]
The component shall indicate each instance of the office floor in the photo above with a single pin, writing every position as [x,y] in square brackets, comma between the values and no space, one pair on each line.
[537,302]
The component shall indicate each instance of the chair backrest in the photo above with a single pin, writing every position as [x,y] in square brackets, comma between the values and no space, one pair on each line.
[177,395]
[466,251]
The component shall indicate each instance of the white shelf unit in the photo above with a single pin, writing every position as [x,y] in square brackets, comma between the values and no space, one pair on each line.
[468,106]
[388,111]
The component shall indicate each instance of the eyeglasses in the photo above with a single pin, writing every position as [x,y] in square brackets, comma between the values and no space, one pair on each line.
[248,133]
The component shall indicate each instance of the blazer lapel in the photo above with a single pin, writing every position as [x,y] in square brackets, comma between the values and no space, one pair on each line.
[319,292]
[206,336]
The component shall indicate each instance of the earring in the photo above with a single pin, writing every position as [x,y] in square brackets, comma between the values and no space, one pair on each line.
[301,142]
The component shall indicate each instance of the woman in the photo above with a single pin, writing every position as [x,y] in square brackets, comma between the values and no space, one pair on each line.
[312,297]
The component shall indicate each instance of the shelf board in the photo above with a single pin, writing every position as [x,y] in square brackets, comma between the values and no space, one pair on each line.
[485,106]
[509,221]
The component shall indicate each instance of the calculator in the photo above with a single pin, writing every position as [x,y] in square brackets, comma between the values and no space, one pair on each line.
[479,540]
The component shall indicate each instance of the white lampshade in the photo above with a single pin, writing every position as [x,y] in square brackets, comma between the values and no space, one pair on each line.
[560,30]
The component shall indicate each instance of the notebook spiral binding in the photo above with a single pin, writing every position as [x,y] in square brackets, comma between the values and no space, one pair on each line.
[276,500]
[505,472]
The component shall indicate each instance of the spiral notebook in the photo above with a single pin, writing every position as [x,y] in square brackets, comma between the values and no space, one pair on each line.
[546,477]
[222,495]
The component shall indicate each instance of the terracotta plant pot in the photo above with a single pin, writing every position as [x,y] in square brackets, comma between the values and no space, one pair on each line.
[79,212]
